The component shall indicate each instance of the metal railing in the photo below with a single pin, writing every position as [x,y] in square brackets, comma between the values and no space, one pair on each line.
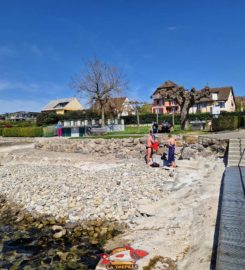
[240,171]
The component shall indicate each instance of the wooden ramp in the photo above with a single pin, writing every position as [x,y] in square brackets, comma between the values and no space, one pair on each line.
[231,237]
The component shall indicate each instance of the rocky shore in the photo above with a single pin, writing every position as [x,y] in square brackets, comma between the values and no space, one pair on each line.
[171,214]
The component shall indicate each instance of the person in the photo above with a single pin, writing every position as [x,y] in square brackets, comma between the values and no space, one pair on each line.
[171,151]
[149,149]
[166,126]
[155,127]
[210,125]
[59,128]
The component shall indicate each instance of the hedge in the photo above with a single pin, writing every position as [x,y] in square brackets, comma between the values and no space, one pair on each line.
[51,118]
[23,123]
[225,123]
[1,131]
[149,118]
[241,121]
[23,132]
[49,131]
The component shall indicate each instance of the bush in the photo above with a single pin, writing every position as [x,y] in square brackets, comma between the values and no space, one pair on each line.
[47,118]
[49,131]
[149,118]
[23,132]
[51,118]
[241,121]
[1,131]
[225,123]
[7,124]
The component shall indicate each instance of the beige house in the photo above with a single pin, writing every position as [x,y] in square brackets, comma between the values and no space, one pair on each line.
[119,106]
[221,99]
[60,106]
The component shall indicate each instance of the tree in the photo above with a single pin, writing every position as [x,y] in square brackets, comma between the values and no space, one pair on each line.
[98,82]
[186,99]
[146,108]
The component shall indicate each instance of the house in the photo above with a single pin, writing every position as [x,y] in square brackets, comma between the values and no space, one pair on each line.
[161,104]
[119,106]
[21,116]
[60,106]
[221,99]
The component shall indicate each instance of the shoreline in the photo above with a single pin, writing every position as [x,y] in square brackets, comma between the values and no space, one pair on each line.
[167,213]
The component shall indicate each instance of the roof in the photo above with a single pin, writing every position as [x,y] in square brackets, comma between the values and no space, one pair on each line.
[57,104]
[165,86]
[222,92]
[117,103]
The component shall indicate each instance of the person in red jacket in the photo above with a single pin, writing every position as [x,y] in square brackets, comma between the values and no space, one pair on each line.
[151,144]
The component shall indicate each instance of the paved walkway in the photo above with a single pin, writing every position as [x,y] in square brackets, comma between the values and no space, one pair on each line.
[231,240]
[237,134]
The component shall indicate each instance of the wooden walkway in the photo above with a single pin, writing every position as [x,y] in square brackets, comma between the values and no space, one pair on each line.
[231,229]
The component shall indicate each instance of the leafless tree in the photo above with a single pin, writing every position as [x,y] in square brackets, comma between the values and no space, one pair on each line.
[186,99]
[98,82]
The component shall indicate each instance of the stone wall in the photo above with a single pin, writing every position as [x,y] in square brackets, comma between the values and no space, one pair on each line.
[120,148]
[187,146]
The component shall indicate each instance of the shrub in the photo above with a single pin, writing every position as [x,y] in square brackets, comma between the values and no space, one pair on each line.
[1,131]
[225,123]
[47,118]
[49,131]
[241,120]
[51,118]
[23,132]
[151,117]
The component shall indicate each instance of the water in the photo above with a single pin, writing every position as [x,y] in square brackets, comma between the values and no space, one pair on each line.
[32,248]
[29,243]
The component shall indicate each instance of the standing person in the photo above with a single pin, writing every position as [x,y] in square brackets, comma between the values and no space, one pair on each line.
[171,151]
[210,125]
[59,128]
[149,150]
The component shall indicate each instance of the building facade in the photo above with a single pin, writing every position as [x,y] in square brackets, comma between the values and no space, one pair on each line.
[163,105]
[60,106]
[220,99]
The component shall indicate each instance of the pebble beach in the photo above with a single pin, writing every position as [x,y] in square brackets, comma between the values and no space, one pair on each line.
[169,213]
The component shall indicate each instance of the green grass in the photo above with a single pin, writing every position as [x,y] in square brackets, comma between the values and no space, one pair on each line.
[133,130]
[139,132]
[107,136]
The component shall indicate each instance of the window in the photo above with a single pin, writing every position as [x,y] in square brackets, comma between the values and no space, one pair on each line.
[214,96]
[222,104]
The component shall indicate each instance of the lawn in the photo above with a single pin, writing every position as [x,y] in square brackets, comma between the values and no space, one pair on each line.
[133,130]
[136,132]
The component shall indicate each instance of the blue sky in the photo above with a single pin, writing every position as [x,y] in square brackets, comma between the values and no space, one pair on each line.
[43,43]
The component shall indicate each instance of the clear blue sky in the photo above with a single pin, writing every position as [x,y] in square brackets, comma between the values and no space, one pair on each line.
[43,44]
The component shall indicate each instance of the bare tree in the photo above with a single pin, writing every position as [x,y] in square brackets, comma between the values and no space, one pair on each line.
[186,99]
[98,82]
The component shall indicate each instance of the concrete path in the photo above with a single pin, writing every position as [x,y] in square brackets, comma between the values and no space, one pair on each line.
[231,240]
[227,135]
